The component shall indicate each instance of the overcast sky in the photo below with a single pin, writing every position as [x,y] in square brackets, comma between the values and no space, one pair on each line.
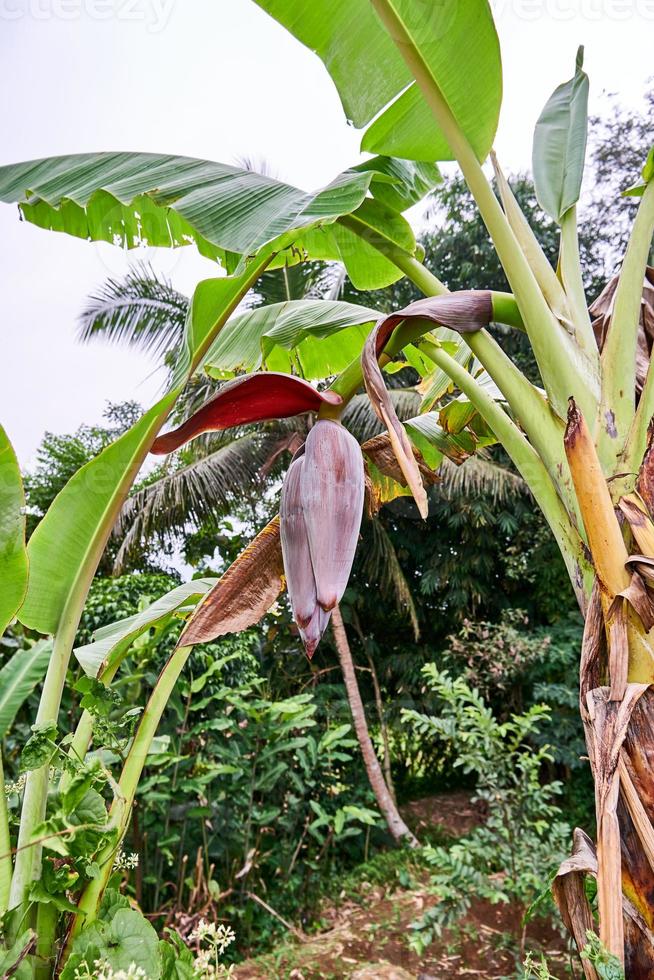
[215,79]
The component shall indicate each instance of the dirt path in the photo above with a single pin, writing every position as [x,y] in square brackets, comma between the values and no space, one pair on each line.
[366,939]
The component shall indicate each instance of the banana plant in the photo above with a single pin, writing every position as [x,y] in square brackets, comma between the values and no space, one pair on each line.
[424,80]
[257,224]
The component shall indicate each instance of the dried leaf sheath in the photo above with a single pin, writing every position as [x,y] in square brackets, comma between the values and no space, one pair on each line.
[254,398]
[570,894]
[608,722]
[465,312]
[244,593]
[639,521]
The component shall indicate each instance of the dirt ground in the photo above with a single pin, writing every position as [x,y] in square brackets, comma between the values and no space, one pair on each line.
[366,939]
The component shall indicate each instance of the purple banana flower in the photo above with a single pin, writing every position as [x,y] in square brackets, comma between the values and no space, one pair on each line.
[321,509]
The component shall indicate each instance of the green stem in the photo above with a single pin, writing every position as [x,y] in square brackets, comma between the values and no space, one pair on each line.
[28,858]
[122,805]
[570,269]
[636,443]
[563,371]
[46,938]
[531,409]
[544,273]
[5,846]
[527,462]
[619,354]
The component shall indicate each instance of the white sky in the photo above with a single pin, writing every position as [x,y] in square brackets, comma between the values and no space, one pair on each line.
[216,79]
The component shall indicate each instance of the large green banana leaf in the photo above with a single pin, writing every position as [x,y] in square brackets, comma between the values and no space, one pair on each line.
[455,41]
[231,214]
[18,678]
[132,198]
[324,335]
[13,556]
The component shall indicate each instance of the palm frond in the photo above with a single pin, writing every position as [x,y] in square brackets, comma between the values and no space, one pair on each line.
[361,420]
[290,282]
[140,309]
[381,566]
[332,282]
[192,494]
[478,477]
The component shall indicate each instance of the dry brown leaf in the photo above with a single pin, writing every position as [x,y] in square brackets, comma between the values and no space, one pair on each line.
[570,894]
[645,481]
[602,309]
[618,649]
[593,648]
[636,761]
[244,593]
[642,527]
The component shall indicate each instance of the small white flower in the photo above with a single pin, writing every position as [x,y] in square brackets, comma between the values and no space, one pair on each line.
[15,789]
[103,971]
[126,862]
[204,931]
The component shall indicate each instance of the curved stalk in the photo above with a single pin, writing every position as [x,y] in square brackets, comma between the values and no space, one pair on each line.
[634,450]
[545,275]
[544,429]
[28,858]
[396,825]
[505,306]
[617,407]
[562,368]
[121,807]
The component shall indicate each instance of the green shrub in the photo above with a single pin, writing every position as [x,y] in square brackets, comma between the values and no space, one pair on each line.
[508,858]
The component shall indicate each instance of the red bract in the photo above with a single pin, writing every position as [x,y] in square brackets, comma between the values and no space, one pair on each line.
[255,398]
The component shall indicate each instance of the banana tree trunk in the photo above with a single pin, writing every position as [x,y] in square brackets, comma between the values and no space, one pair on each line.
[617,709]
[394,821]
